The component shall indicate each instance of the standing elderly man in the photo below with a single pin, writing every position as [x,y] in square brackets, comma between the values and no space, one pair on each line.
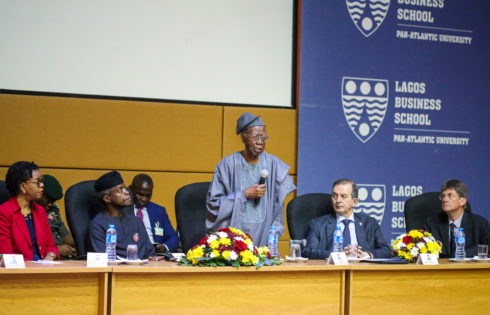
[359,230]
[454,197]
[235,197]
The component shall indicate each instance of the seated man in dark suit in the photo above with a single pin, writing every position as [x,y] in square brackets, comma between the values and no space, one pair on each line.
[115,196]
[160,231]
[454,195]
[358,230]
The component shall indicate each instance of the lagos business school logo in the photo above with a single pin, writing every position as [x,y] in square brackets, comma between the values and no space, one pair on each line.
[364,101]
[367,15]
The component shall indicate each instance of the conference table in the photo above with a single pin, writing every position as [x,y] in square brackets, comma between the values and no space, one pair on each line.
[312,287]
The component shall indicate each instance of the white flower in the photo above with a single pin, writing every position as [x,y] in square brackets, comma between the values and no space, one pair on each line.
[212,238]
[400,245]
[233,256]
[414,251]
[239,238]
[222,234]
[420,244]
[250,246]
[212,255]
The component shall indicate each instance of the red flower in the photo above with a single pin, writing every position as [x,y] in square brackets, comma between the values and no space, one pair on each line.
[240,245]
[204,241]
[407,239]
[269,255]
[227,230]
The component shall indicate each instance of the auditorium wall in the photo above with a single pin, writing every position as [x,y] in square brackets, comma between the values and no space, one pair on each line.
[77,139]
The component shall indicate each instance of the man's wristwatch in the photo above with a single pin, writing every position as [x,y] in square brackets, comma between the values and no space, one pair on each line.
[52,255]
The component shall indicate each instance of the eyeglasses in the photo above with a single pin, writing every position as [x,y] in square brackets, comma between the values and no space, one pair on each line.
[38,182]
[450,196]
[257,138]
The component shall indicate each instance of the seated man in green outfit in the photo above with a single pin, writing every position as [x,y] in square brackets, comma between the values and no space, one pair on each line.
[62,237]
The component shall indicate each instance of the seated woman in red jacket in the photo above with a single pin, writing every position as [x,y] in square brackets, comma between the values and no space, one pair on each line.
[24,227]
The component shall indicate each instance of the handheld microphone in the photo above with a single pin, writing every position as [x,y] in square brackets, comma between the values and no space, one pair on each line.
[263,176]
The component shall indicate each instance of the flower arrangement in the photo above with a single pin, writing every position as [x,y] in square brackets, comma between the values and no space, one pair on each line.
[228,246]
[410,245]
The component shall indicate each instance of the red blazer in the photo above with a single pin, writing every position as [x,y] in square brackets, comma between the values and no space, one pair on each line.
[14,234]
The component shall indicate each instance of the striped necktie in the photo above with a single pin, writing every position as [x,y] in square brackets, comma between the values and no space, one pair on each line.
[452,240]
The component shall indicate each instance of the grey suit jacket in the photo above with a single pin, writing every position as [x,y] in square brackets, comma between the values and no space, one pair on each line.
[319,242]
[474,226]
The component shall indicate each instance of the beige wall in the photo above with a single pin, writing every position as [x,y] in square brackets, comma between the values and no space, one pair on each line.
[77,139]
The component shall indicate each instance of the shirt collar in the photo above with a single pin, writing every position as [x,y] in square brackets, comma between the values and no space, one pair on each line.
[341,218]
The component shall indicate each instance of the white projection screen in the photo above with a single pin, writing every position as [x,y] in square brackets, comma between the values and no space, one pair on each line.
[204,51]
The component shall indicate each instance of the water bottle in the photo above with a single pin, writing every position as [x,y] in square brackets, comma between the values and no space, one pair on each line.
[110,242]
[272,242]
[460,243]
[338,239]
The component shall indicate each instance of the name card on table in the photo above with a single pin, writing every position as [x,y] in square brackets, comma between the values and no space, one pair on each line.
[337,258]
[427,259]
[13,261]
[96,259]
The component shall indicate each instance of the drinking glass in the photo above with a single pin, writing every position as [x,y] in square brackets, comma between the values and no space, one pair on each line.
[482,251]
[294,251]
[132,252]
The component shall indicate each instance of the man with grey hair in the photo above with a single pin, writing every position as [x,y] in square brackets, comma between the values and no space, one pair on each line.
[443,225]
[361,233]
[237,197]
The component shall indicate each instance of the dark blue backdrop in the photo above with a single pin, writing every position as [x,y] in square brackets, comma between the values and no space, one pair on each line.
[394,96]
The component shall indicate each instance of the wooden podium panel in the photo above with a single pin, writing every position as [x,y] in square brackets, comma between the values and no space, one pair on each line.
[70,288]
[449,288]
[163,287]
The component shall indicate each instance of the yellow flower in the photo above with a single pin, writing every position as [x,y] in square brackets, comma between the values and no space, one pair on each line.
[214,244]
[409,246]
[415,234]
[247,256]
[216,253]
[408,256]
[433,247]
[263,250]
[225,241]
[192,254]
[248,241]
[225,254]
[395,243]
[237,231]
[423,250]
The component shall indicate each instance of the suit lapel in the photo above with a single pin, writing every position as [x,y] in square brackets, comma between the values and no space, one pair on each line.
[331,225]
[360,231]
[444,232]
[21,225]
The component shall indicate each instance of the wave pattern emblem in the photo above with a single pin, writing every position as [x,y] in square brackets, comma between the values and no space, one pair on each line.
[372,201]
[367,15]
[364,102]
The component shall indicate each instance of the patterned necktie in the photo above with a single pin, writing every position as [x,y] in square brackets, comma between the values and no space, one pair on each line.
[452,240]
[139,214]
[346,232]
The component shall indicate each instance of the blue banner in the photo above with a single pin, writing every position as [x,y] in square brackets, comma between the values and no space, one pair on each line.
[394,95]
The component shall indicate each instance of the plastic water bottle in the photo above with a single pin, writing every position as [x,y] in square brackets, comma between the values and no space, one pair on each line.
[460,243]
[338,239]
[273,241]
[110,242]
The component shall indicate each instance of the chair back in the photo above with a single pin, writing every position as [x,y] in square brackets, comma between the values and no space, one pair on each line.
[4,193]
[302,209]
[81,206]
[190,211]
[418,208]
